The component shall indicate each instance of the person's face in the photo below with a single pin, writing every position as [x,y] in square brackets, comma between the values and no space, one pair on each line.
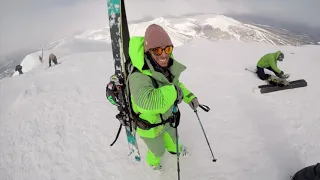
[161,55]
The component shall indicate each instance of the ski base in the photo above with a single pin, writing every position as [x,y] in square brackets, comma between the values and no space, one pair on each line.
[292,85]
[133,145]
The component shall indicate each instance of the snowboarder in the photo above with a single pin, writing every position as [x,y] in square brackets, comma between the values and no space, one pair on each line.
[19,69]
[155,92]
[52,58]
[269,61]
[308,173]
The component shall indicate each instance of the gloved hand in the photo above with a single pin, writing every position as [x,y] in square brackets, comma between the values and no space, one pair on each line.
[111,90]
[179,94]
[283,76]
[194,103]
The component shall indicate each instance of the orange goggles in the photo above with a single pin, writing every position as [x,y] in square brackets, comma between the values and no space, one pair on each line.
[158,50]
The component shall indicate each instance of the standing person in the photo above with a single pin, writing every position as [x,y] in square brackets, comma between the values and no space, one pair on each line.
[269,61]
[155,93]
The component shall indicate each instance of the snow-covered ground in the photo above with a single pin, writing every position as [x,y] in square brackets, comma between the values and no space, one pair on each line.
[56,123]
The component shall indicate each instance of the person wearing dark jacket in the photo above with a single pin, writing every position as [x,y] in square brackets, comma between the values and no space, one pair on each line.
[52,58]
[308,173]
[19,69]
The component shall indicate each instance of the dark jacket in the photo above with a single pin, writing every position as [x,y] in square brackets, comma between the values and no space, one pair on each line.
[52,58]
[19,69]
[308,173]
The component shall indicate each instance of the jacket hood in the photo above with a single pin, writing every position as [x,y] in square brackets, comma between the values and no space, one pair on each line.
[277,54]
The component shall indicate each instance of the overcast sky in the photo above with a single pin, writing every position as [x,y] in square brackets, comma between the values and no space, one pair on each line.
[31,23]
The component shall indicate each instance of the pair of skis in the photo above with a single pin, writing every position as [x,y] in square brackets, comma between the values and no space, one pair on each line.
[268,88]
[120,37]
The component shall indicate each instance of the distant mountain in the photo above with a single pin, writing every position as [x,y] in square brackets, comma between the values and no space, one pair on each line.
[211,26]
[183,29]
[311,33]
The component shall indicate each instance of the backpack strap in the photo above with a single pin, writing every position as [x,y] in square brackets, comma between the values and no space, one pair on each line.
[131,69]
[154,82]
[174,122]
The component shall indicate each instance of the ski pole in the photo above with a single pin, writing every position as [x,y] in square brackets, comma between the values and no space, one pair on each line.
[206,109]
[177,147]
[175,110]
[250,70]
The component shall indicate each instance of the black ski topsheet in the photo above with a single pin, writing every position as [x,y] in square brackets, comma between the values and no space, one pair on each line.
[125,32]
[291,82]
[298,84]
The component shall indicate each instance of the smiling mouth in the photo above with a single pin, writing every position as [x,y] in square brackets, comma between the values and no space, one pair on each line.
[163,60]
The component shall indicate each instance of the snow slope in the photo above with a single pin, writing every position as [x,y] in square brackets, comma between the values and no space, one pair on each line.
[62,49]
[181,30]
[57,124]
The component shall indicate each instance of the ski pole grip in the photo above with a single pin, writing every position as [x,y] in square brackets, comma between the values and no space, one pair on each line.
[204,107]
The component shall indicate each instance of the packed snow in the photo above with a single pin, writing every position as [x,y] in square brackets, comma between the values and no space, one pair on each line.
[56,122]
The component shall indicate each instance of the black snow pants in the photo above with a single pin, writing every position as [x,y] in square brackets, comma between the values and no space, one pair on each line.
[262,75]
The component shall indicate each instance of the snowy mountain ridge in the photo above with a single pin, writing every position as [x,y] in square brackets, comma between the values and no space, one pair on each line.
[182,30]
[209,26]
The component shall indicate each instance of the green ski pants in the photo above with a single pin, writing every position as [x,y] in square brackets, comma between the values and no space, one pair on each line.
[158,145]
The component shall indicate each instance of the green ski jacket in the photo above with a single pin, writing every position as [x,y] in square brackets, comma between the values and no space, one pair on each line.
[147,101]
[270,60]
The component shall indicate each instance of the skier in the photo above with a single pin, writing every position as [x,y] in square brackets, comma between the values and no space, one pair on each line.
[19,69]
[308,173]
[269,61]
[155,93]
[52,58]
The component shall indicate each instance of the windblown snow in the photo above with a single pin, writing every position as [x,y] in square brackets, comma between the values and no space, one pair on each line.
[56,123]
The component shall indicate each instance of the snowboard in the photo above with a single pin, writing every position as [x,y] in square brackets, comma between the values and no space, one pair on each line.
[292,85]
[120,37]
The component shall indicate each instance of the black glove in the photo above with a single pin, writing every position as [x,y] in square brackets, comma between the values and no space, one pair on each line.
[282,75]
[179,94]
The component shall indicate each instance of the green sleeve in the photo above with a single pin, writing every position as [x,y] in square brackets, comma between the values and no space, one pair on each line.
[187,94]
[149,99]
[273,65]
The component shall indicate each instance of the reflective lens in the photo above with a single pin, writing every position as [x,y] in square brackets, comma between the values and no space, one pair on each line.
[158,51]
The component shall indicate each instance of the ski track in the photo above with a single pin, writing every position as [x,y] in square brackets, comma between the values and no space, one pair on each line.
[59,125]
